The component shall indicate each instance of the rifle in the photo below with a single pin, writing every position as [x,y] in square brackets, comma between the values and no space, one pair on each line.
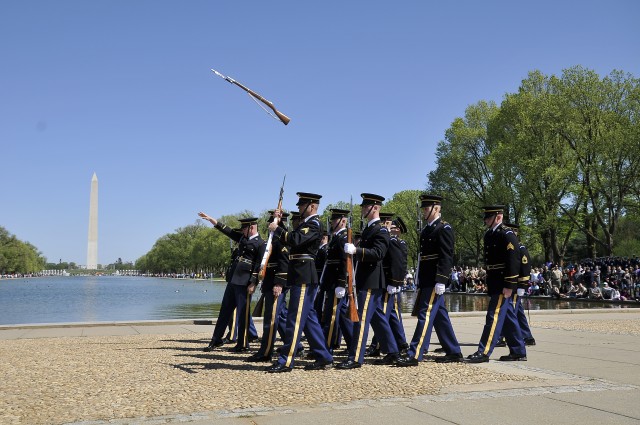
[255,96]
[353,311]
[414,310]
[267,250]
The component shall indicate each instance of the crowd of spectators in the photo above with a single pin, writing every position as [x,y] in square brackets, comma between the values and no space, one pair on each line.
[606,278]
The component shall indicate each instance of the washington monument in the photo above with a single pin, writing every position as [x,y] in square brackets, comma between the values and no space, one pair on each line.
[92,248]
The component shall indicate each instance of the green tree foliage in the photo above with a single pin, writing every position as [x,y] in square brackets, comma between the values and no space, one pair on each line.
[17,256]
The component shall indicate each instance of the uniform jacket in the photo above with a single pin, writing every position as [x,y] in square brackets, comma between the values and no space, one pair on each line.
[395,262]
[335,271]
[369,254]
[436,254]
[502,259]
[303,243]
[244,268]
[321,258]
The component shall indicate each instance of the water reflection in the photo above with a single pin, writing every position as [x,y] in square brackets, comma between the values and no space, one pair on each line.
[478,302]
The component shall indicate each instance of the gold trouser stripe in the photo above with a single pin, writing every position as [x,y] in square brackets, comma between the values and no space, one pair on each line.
[246,321]
[362,323]
[427,319]
[496,314]
[233,325]
[294,342]
[333,321]
[396,307]
[386,301]
[274,309]
[515,300]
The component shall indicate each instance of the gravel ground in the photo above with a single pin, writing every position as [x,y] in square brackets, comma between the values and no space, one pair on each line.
[60,380]
[617,327]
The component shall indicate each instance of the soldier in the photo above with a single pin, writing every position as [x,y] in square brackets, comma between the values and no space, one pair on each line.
[370,285]
[436,260]
[241,281]
[273,289]
[502,260]
[303,243]
[395,269]
[321,257]
[334,278]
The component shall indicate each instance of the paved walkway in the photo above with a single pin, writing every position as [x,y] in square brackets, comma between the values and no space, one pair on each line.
[585,364]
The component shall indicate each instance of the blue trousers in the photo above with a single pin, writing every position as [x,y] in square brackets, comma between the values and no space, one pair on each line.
[235,297]
[522,318]
[432,314]
[301,316]
[501,319]
[370,312]
[337,322]
[393,312]
[272,310]
[233,327]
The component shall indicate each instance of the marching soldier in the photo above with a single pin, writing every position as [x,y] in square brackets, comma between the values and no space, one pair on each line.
[321,258]
[395,269]
[336,321]
[502,259]
[273,289]
[370,285]
[436,260]
[241,281]
[303,243]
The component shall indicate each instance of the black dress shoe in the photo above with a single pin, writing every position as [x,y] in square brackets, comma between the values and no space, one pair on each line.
[529,341]
[407,361]
[212,346]
[403,348]
[501,343]
[318,365]
[439,350]
[348,364]
[450,358]
[513,358]
[277,368]
[477,357]
[227,340]
[372,352]
[238,349]
[254,339]
[389,359]
[255,358]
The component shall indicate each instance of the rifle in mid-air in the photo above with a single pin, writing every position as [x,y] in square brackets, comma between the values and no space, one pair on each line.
[255,96]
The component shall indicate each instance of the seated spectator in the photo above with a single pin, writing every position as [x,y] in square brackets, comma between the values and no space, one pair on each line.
[615,294]
[555,293]
[534,288]
[583,292]
[606,291]
[573,290]
[594,292]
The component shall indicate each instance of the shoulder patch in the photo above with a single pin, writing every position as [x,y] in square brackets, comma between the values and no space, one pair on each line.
[305,230]
[403,242]
[447,226]
[525,260]
[383,229]
[284,249]
[510,246]
[508,231]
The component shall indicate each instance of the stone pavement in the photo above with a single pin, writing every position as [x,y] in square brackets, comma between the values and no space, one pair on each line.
[584,369]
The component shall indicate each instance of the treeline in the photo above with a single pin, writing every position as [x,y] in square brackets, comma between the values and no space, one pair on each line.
[18,257]
[563,153]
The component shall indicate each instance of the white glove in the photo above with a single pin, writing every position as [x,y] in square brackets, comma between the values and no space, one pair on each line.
[440,288]
[349,248]
[391,290]
[398,289]
[340,291]
[520,292]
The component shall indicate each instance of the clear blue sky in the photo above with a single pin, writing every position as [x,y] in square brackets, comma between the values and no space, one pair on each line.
[124,89]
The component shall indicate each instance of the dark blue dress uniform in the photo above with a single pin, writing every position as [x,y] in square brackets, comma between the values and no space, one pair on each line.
[371,287]
[336,321]
[321,258]
[275,274]
[232,335]
[395,270]
[303,243]
[523,283]
[502,259]
[243,271]
[436,259]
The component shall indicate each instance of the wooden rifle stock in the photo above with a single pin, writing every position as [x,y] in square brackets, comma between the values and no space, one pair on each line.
[267,252]
[353,311]
[285,119]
